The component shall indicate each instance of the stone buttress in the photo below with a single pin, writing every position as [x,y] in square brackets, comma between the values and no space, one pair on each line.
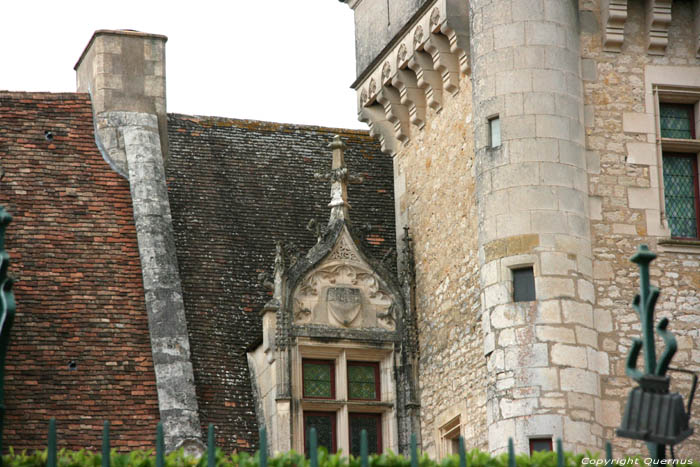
[124,72]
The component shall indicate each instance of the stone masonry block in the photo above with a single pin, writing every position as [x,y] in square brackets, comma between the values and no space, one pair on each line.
[534,196]
[516,223]
[513,81]
[527,10]
[548,311]
[509,35]
[555,334]
[554,263]
[603,320]
[505,316]
[530,149]
[569,355]
[546,378]
[517,408]
[641,153]
[529,57]
[598,361]
[633,122]
[577,432]
[539,103]
[496,294]
[547,222]
[642,198]
[554,287]
[578,380]
[608,413]
[589,70]
[531,356]
[552,81]
[543,33]
[551,126]
[576,312]
[586,336]
[580,401]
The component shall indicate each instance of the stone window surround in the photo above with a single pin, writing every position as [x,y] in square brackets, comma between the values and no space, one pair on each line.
[673,84]
[341,353]
[447,422]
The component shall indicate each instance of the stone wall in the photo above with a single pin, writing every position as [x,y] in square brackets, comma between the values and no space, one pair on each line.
[435,196]
[625,207]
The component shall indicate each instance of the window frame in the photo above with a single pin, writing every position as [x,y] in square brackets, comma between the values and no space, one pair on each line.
[378,418]
[513,271]
[313,361]
[334,428]
[377,382]
[691,108]
[535,439]
[694,160]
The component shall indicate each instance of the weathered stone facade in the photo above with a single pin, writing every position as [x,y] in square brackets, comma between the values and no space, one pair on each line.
[568,185]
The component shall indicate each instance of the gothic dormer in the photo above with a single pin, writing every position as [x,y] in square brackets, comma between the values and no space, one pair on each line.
[336,353]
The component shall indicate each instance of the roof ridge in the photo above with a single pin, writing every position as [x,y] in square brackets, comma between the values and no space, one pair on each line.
[43,94]
[263,125]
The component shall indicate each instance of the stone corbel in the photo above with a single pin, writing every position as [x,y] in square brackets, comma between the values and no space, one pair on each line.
[374,115]
[658,21]
[432,56]
[614,18]
[411,96]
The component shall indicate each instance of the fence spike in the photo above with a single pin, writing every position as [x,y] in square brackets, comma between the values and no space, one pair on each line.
[608,452]
[105,445]
[263,447]
[560,453]
[51,460]
[462,454]
[414,451]
[160,446]
[313,448]
[364,461]
[211,448]
[511,453]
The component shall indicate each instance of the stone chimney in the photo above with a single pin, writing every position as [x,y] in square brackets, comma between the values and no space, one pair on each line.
[124,72]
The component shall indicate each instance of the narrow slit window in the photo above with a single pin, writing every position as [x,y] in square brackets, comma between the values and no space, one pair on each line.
[494,131]
[523,285]
[540,444]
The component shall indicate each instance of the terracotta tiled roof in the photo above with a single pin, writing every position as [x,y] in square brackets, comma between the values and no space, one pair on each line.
[236,186]
[79,295]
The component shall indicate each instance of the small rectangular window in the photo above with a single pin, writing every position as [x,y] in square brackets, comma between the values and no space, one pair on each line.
[523,285]
[540,444]
[450,433]
[318,379]
[363,381]
[494,131]
[372,423]
[676,121]
[324,423]
[681,194]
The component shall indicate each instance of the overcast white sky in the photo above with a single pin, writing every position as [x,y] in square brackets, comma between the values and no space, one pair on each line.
[286,61]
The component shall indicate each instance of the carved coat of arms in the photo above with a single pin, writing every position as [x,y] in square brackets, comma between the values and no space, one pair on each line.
[344,303]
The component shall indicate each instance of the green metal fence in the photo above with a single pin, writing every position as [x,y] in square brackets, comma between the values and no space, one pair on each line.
[313,448]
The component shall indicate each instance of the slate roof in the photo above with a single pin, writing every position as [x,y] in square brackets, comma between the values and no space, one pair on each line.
[72,246]
[235,187]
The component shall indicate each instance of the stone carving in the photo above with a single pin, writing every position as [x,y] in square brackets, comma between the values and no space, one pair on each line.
[344,303]
[401,56]
[386,72]
[418,36]
[344,292]
[658,21]
[435,18]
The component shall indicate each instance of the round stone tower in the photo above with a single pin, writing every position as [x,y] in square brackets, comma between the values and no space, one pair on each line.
[541,345]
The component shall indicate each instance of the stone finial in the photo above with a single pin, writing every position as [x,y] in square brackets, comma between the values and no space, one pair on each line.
[339,178]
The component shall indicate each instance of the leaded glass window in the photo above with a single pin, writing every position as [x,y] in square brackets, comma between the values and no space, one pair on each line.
[373,424]
[363,380]
[319,379]
[676,121]
[681,194]
[324,423]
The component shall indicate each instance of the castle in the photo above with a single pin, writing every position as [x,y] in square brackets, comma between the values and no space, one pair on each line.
[524,149]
